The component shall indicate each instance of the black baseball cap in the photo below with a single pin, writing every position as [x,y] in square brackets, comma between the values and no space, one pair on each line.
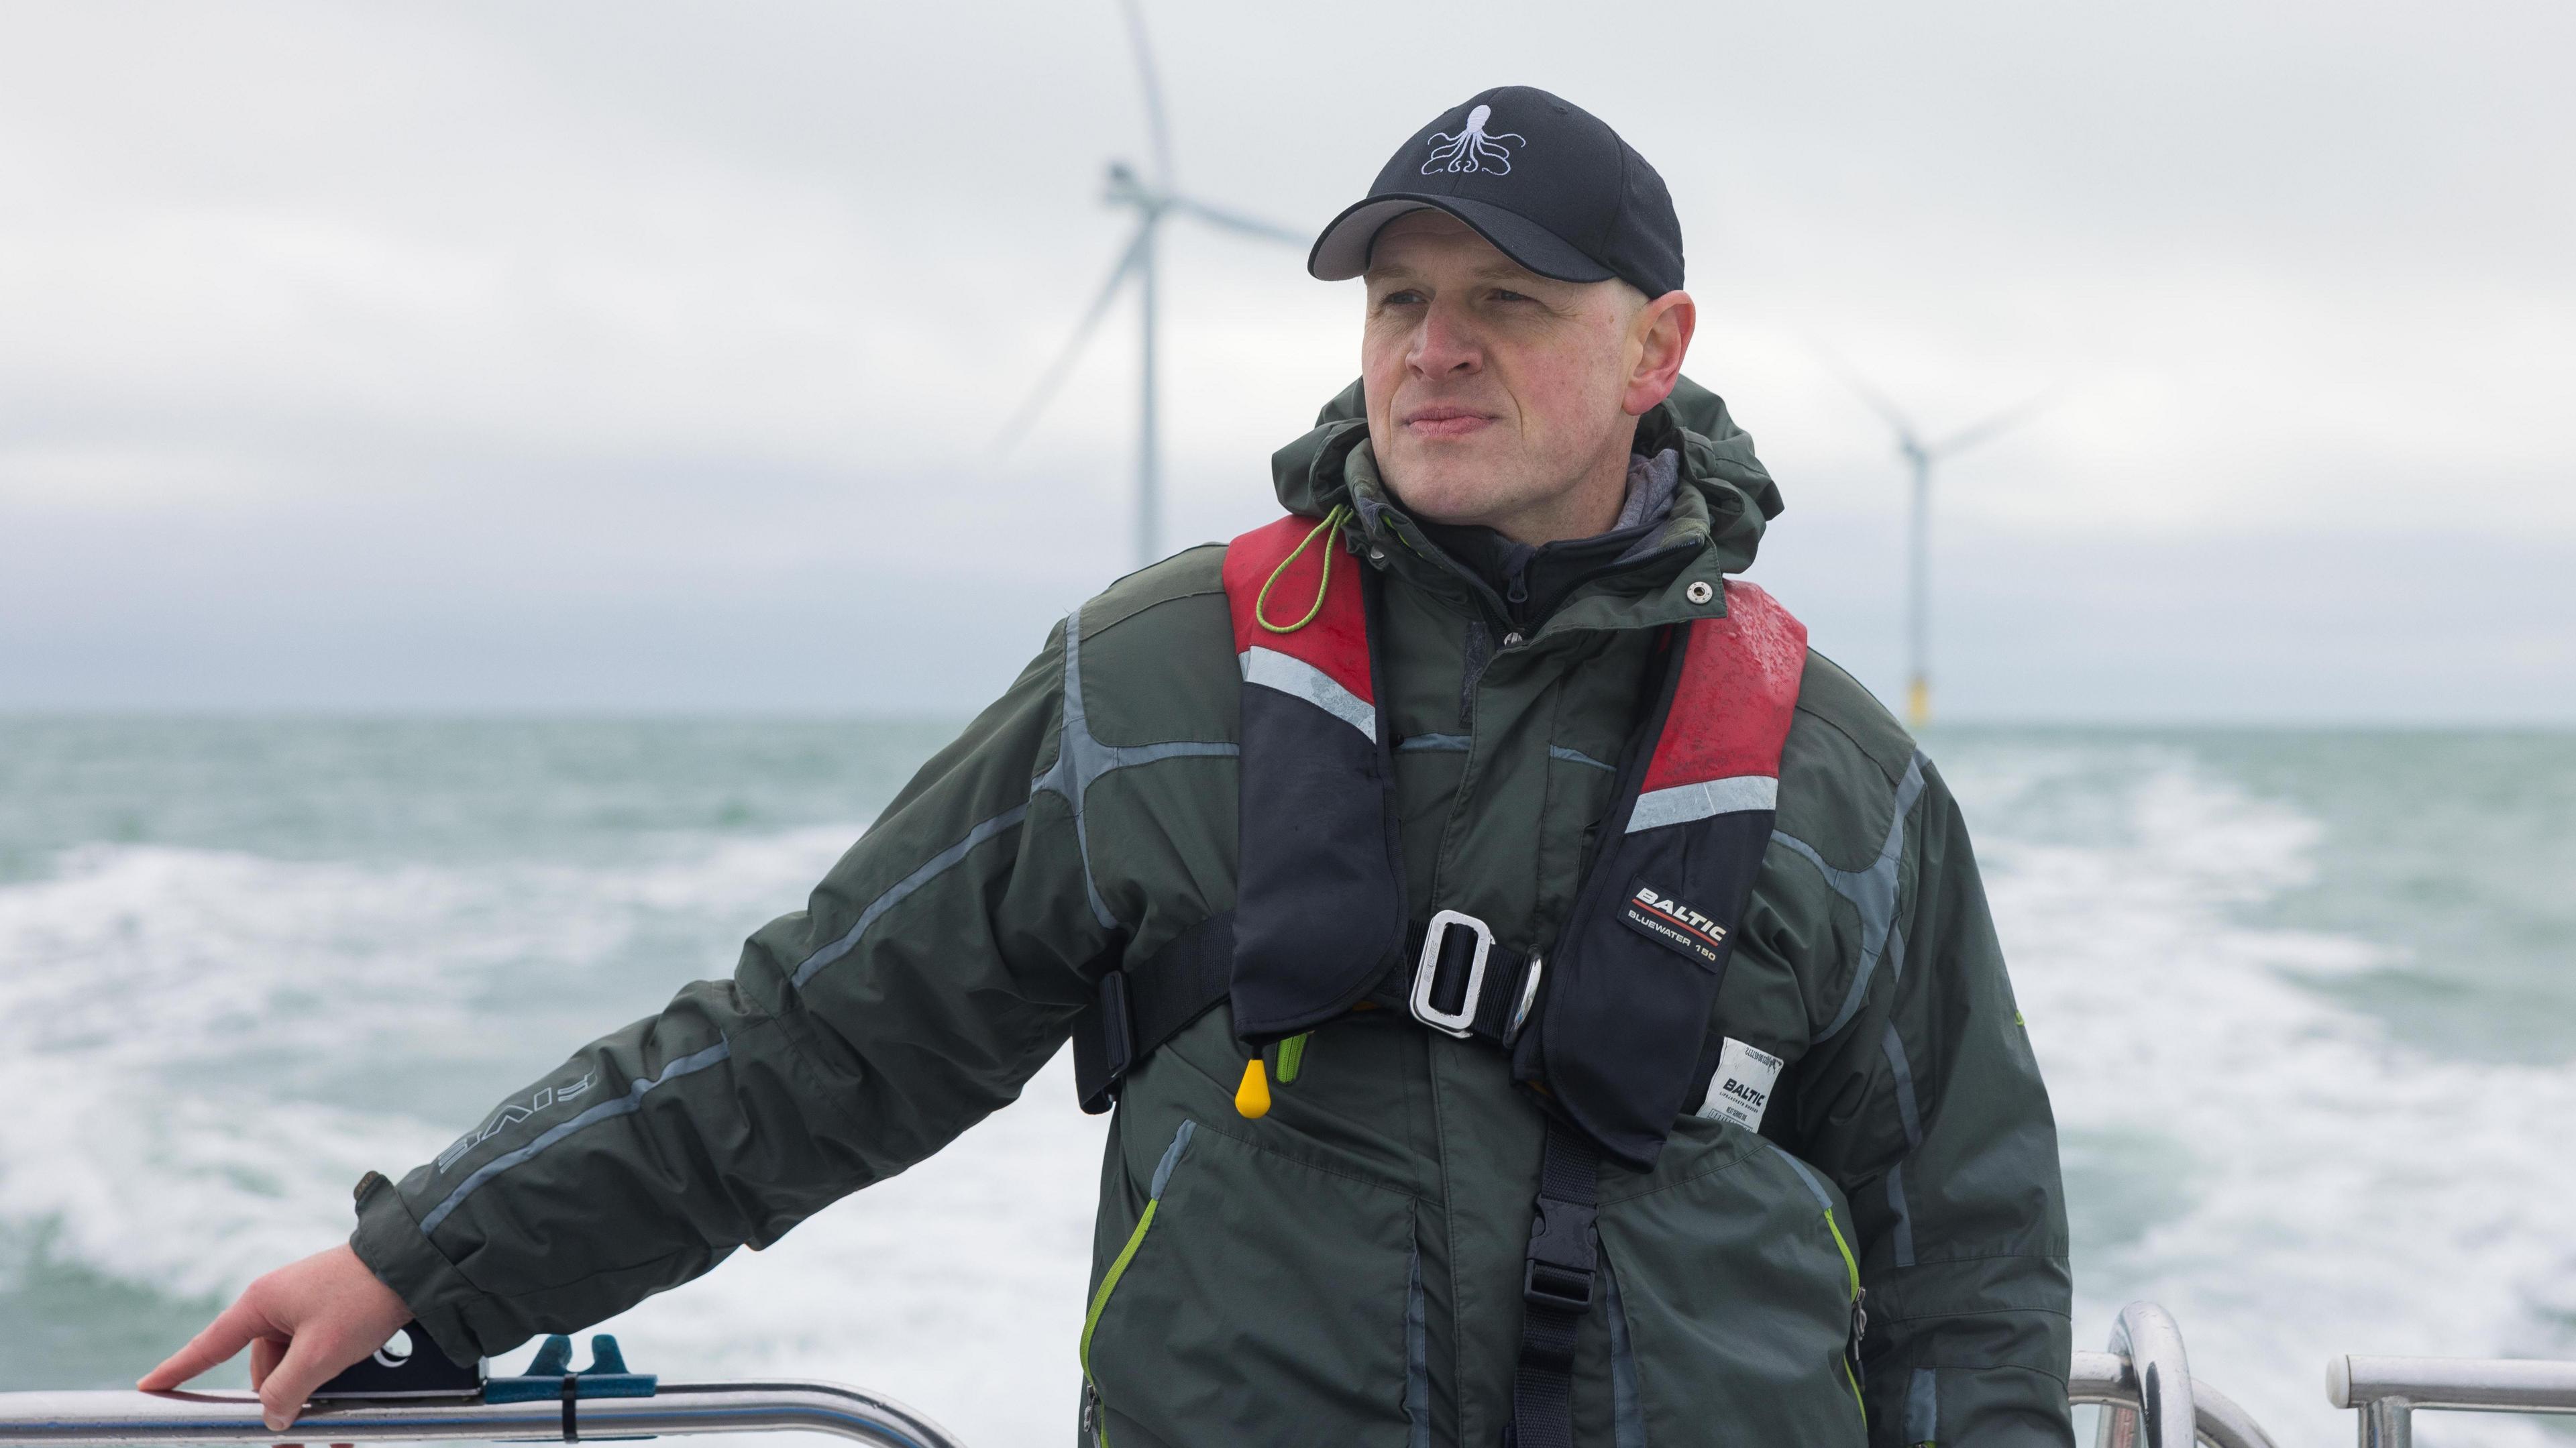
[1546,181]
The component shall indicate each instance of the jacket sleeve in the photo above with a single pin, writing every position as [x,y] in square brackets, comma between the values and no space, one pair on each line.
[1927,1109]
[934,970]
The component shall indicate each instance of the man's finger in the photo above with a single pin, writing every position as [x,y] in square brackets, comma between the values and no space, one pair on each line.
[223,1337]
[311,1358]
[265,1353]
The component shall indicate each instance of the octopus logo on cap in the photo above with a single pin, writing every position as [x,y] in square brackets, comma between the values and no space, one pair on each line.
[1473,148]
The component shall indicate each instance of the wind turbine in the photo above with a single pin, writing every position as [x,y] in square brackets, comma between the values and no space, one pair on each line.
[1919,457]
[1154,199]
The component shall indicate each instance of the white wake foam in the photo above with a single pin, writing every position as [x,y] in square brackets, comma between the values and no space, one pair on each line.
[206,1049]
[2289,1177]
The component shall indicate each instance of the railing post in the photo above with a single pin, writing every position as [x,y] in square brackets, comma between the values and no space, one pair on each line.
[2111,1383]
[2152,1342]
[2387,1423]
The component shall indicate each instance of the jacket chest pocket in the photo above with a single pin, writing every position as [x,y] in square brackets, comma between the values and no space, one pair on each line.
[1736,1297]
[1259,1300]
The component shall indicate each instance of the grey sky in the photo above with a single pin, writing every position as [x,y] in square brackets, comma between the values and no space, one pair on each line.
[646,356]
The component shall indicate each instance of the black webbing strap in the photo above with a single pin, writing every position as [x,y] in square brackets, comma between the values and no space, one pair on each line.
[1556,1291]
[1141,1007]
[1498,999]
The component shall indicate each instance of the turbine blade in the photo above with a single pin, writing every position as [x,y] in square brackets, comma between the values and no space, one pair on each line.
[1055,374]
[1878,403]
[1237,221]
[1153,95]
[1997,425]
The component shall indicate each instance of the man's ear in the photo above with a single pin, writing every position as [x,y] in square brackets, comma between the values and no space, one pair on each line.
[1662,334]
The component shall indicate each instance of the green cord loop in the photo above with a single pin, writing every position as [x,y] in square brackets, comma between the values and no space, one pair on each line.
[1260,613]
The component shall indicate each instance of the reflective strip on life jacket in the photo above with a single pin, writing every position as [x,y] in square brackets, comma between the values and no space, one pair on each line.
[1293,676]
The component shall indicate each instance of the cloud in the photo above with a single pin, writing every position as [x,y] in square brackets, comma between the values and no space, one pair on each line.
[688,301]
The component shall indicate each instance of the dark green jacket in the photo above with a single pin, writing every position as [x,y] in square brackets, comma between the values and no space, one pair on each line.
[1347,1269]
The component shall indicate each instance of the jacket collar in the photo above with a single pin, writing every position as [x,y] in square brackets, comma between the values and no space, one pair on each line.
[1716,523]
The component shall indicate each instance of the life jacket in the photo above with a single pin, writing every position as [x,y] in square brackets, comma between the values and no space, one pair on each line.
[1610,1023]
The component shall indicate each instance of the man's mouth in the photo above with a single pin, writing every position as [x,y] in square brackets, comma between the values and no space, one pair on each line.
[1439,422]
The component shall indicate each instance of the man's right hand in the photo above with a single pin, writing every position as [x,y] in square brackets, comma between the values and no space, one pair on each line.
[303,1323]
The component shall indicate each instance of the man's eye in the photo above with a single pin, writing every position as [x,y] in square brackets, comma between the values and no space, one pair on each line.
[1501,295]
[1406,297]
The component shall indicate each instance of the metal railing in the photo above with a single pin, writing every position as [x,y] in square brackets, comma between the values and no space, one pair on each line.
[2144,1386]
[121,1419]
[2387,1391]
[2146,1391]
[124,1419]
[138,1419]
[2104,1379]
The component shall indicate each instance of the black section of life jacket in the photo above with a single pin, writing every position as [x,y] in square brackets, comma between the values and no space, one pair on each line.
[1627,1015]
[1141,1006]
[1622,1022]
[1319,888]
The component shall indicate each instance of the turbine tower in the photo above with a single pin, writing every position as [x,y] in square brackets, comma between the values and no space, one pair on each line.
[1919,457]
[1153,198]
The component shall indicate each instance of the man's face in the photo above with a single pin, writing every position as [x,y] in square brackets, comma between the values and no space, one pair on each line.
[1492,391]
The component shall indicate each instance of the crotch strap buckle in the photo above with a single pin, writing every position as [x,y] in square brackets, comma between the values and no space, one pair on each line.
[1427,970]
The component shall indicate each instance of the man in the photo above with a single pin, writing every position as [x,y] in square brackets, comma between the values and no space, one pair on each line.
[1543,1002]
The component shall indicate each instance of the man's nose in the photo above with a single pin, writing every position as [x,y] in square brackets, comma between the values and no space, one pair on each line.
[1445,345]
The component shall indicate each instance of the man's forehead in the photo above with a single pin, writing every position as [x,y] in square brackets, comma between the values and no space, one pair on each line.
[1420,235]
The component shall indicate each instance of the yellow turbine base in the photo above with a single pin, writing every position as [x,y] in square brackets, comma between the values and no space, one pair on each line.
[1918,703]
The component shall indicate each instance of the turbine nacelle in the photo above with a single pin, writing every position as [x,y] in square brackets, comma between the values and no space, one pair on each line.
[1125,188]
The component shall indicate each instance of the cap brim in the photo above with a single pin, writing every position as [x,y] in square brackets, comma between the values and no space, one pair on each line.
[1342,252]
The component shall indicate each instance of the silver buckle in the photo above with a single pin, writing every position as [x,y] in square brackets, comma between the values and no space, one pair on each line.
[1529,994]
[1426,974]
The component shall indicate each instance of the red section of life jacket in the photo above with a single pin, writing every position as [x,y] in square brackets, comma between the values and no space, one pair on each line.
[1739,685]
[1337,641]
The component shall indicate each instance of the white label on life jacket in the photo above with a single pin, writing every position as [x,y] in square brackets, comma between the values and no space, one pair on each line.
[1742,1085]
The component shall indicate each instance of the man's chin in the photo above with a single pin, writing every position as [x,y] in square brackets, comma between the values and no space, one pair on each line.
[1449,491]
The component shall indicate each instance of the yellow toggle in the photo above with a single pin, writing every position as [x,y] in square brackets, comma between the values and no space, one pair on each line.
[1252,1098]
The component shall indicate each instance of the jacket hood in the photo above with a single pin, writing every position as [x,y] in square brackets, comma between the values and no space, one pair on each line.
[1727,496]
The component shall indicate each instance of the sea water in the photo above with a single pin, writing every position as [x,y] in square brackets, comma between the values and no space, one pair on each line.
[2306,1003]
